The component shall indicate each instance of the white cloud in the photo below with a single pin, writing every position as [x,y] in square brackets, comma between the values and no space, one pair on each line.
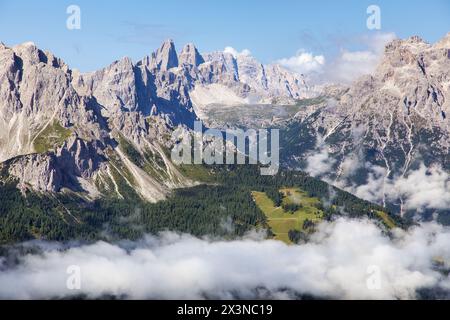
[424,188]
[373,190]
[350,65]
[347,66]
[236,53]
[303,63]
[319,162]
[420,189]
[377,42]
[350,165]
[335,263]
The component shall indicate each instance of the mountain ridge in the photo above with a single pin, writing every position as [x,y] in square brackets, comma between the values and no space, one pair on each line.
[111,128]
[63,127]
[384,127]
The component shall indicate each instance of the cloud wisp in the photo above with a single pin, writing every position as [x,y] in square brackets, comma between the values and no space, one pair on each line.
[340,261]
[420,189]
[346,66]
[319,163]
[304,62]
[236,53]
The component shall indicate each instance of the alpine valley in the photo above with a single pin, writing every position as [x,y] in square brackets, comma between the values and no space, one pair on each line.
[87,155]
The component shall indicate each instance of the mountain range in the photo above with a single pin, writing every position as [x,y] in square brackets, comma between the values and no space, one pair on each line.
[388,128]
[62,129]
[100,133]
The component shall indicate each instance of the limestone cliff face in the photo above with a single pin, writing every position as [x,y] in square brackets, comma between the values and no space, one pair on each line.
[40,172]
[35,92]
[249,78]
[85,132]
[404,105]
[190,56]
[41,116]
[98,132]
[393,120]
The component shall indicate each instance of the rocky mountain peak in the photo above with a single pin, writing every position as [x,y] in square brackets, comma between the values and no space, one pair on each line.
[190,55]
[112,86]
[66,129]
[444,42]
[415,39]
[29,53]
[413,43]
[30,45]
[166,56]
[125,61]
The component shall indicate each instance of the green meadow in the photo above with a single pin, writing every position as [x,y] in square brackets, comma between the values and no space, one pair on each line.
[282,221]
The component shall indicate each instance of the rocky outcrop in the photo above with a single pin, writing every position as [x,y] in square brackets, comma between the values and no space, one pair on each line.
[392,121]
[61,129]
[37,171]
[190,56]
[249,78]
[38,102]
[166,57]
[112,87]
[59,125]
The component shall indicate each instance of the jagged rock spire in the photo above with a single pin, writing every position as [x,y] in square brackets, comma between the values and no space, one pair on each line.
[444,42]
[190,55]
[166,56]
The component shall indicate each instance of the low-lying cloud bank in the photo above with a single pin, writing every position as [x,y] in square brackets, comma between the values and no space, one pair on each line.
[345,259]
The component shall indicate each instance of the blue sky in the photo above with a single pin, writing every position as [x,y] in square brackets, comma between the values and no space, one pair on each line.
[271,30]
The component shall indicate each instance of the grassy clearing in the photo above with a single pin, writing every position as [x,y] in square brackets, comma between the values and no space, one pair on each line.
[197,172]
[387,220]
[281,221]
[51,137]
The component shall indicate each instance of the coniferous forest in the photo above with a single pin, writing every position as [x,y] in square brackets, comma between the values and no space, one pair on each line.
[223,207]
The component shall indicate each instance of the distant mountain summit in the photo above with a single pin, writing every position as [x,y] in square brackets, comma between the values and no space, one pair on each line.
[105,131]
